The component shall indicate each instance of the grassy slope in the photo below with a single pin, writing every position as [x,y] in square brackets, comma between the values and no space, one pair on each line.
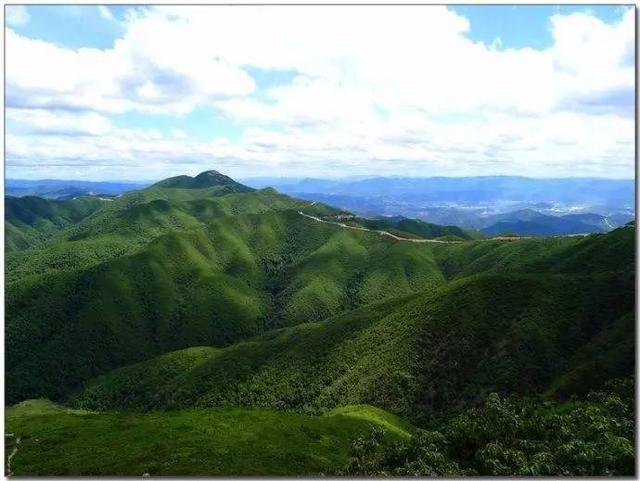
[229,441]
[417,355]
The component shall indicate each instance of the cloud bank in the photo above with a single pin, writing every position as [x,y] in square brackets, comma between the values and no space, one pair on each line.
[371,90]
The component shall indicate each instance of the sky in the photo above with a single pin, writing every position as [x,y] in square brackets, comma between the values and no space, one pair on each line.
[143,93]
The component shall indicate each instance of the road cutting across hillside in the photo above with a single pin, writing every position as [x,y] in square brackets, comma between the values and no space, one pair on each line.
[406,239]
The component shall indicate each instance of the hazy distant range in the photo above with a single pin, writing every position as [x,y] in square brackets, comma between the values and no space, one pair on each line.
[492,205]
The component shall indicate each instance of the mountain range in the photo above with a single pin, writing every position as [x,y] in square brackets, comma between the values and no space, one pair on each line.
[490,205]
[68,189]
[155,322]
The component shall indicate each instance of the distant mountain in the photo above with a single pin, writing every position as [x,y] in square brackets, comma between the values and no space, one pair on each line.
[414,227]
[584,205]
[592,191]
[530,222]
[68,189]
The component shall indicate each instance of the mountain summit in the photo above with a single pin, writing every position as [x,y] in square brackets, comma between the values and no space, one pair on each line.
[204,180]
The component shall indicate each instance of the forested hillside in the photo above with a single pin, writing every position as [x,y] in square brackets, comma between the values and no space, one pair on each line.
[199,293]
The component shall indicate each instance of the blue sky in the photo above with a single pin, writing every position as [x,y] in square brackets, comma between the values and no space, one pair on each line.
[72,26]
[464,90]
[520,26]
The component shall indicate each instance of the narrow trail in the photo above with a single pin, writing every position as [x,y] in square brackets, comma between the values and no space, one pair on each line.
[11,455]
[393,236]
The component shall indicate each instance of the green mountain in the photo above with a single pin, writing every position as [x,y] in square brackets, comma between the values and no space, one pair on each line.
[416,228]
[531,223]
[198,293]
[204,180]
[31,220]
[415,356]
[171,267]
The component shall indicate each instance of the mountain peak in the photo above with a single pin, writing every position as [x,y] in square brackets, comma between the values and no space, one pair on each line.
[209,178]
[206,179]
[210,173]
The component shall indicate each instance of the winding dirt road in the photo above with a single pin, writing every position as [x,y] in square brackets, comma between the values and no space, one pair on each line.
[433,241]
[393,236]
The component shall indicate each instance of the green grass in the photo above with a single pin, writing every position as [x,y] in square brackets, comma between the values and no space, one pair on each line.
[232,442]
[387,421]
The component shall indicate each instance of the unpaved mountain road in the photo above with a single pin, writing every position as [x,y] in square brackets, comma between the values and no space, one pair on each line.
[421,241]
[393,236]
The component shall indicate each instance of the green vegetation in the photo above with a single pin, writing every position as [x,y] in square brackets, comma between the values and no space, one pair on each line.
[54,441]
[513,437]
[170,313]
[142,277]
[31,220]
[414,228]
[416,356]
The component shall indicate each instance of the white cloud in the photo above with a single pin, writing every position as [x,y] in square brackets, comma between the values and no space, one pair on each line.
[399,90]
[125,78]
[16,15]
[48,122]
[562,144]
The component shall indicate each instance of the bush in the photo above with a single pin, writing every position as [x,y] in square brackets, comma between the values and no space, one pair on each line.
[516,437]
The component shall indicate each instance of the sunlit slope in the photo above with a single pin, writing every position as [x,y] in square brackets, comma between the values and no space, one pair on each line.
[415,356]
[54,441]
[130,222]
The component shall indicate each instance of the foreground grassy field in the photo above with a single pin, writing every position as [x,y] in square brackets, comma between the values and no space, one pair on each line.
[504,436]
[56,441]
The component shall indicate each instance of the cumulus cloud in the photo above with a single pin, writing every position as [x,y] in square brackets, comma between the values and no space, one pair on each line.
[125,78]
[399,90]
